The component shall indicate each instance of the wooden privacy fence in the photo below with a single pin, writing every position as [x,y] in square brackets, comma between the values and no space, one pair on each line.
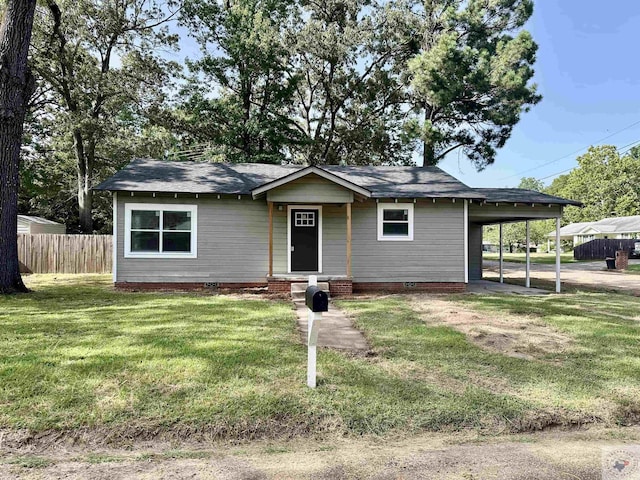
[601,248]
[51,253]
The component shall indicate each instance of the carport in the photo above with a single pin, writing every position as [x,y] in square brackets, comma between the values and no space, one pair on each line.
[508,205]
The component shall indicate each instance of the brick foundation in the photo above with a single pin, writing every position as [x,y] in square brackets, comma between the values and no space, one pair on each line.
[184,286]
[340,287]
[430,287]
[622,260]
[279,286]
[336,287]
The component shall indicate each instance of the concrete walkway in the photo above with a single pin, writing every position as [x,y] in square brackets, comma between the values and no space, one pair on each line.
[336,330]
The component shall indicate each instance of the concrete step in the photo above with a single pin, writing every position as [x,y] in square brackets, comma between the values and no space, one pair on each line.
[302,286]
[298,289]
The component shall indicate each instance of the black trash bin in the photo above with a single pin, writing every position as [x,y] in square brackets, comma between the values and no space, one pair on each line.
[611,263]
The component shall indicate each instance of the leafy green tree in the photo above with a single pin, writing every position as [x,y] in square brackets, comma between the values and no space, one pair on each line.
[48,170]
[350,102]
[471,77]
[16,86]
[514,235]
[96,59]
[605,182]
[239,98]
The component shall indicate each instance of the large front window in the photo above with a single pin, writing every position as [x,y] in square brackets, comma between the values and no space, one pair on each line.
[160,230]
[395,221]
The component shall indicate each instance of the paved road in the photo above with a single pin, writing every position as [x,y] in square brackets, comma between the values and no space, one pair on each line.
[590,274]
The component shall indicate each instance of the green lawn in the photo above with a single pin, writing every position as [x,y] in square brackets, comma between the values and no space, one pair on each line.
[77,354]
[549,258]
[634,269]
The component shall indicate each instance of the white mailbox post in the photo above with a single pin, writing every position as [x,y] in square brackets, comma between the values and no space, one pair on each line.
[312,338]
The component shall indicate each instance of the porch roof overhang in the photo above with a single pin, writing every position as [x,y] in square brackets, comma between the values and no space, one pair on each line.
[262,189]
[507,205]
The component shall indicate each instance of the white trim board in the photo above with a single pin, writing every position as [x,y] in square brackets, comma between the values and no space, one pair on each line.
[466,241]
[114,268]
[128,207]
[304,207]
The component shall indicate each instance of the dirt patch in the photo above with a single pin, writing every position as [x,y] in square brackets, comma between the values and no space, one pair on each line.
[515,336]
[459,456]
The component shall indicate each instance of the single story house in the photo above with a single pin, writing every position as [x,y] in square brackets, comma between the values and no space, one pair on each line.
[189,224]
[32,225]
[612,227]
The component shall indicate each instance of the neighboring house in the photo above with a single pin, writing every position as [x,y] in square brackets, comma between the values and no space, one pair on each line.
[29,224]
[613,227]
[359,228]
[490,247]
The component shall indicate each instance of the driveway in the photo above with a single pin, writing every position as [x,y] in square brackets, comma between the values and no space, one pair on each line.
[588,274]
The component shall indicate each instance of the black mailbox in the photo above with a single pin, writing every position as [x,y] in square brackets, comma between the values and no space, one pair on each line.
[316,299]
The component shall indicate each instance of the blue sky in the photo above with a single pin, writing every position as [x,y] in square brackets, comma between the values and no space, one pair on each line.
[588,72]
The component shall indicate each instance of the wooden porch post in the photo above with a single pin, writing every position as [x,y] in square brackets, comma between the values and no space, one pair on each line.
[270,238]
[349,239]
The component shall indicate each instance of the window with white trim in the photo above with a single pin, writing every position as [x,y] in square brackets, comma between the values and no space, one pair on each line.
[395,221]
[155,230]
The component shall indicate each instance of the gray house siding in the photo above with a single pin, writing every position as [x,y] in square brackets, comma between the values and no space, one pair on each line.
[310,189]
[436,253]
[475,251]
[232,243]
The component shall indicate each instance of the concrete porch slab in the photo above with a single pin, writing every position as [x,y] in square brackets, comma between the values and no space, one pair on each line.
[479,287]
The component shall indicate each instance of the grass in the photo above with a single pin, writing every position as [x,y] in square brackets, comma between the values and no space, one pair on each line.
[78,355]
[30,461]
[548,258]
[634,269]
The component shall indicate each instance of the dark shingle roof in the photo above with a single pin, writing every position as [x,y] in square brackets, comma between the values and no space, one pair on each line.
[145,175]
[242,178]
[520,195]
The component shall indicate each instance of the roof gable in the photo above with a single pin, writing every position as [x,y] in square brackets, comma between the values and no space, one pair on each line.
[256,192]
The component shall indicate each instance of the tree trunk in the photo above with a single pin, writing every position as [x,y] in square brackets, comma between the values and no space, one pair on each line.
[428,155]
[85,204]
[16,86]
[428,149]
[84,171]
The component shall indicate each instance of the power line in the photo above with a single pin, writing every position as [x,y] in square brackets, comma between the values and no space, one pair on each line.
[621,151]
[572,153]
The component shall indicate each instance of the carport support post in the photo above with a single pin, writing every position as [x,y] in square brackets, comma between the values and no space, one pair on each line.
[501,273]
[270,238]
[312,339]
[558,255]
[527,281]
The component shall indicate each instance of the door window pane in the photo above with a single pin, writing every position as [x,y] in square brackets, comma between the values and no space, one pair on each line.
[145,241]
[305,219]
[176,221]
[145,219]
[176,242]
